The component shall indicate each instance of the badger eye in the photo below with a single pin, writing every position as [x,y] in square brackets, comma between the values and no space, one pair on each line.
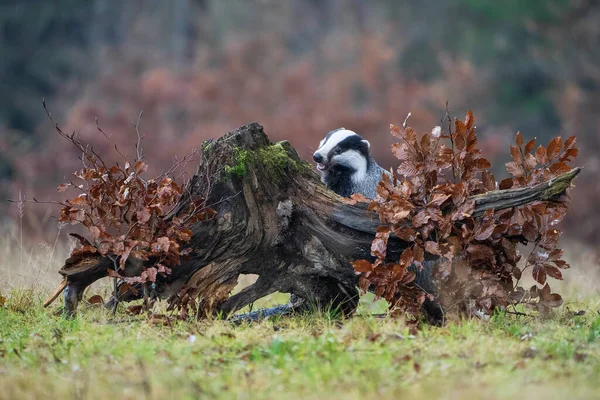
[337,151]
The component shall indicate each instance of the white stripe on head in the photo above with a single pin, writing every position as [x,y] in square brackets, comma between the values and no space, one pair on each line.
[336,137]
[352,159]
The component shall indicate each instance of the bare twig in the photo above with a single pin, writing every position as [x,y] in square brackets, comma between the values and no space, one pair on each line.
[21,211]
[138,148]
[88,151]
[100,129]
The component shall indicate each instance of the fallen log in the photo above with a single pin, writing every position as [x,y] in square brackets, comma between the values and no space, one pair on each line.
[274,218]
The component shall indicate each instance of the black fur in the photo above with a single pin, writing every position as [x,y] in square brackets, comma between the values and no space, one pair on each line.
[339,179]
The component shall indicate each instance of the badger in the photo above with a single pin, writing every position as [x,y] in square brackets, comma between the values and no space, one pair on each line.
[345,164]
[346,167]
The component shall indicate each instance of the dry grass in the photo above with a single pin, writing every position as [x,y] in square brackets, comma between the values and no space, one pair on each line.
[31,266]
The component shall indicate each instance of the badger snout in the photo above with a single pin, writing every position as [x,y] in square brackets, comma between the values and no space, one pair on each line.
[320,160]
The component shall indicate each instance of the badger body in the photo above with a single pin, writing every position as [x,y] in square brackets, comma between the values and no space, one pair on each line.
[345,164]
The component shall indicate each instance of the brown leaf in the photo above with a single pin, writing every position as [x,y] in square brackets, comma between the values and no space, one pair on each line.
[432,248]
[553,271]
[541,156]
[149,274]
[438,199]
[530,162]
[459,193]
[410,136]
[464,211]
[140,167]
[125,288]
[143,215]
[408,169]
[406,234]
[553,300]
[469,120]
[460,127]
[163,269]
[80,200]
[530,146]
[480,252]
[554,147]
[162,244]
[489,181]
[185,234]
[63,187]
[515,153]
[484,232]
[569,155]
[519,139]
[407,257]
[529,231]
[420,219]
[559,168]
[514,169]
[77,215]
[459,141]
[96,299]
[419,253]
[483,163]
[545,292]
[570,142]
[425,144]
[506,184]
[539,274]
[135,309]
[362,266]
[396,131]
[379,244]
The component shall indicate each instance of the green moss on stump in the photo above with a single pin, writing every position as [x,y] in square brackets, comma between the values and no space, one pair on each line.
[241,158]
[275,158]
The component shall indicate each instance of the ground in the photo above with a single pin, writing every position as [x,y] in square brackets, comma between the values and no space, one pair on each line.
[98,355]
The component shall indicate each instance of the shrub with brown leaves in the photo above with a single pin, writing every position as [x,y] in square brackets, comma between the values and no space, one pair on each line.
[123,212]
[431,209]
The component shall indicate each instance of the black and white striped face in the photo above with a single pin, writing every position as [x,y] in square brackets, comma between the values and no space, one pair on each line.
[342,147]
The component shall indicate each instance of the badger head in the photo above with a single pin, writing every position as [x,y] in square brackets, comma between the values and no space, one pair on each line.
[343,149]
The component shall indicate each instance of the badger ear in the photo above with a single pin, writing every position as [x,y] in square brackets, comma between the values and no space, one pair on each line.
[367,143]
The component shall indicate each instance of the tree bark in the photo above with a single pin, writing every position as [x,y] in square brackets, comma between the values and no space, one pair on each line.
[277,220]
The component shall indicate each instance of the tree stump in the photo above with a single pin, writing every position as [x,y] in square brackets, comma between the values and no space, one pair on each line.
[274,218]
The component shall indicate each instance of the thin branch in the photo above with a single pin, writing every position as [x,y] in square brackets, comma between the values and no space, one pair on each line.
[138,148]
[87,150]
[100,129]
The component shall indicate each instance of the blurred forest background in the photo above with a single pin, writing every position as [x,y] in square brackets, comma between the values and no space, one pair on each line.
[200,68]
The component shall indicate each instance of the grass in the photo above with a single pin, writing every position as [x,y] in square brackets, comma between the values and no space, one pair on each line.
[98,355]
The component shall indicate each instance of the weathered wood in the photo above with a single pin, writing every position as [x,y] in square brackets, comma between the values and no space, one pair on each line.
[277,220]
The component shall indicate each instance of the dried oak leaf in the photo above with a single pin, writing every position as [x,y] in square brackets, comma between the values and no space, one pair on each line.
[96,299]
[361,266]
[539,274]
[554,147]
